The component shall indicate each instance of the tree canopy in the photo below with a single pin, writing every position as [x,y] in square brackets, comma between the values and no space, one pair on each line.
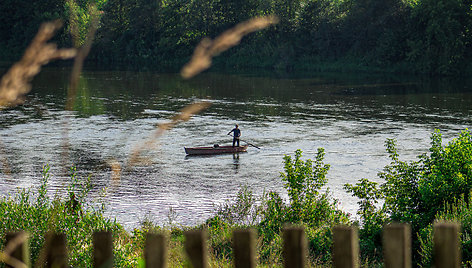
[414,36]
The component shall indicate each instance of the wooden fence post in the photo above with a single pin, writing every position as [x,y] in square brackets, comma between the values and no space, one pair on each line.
[56,251]
[155,251]
[345,247]
[244,248]
[195,246]
[446,252]
[17,247]
[295,247]
[397,245]
[102,250]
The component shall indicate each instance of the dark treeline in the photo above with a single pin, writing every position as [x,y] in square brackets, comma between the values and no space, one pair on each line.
[415,36]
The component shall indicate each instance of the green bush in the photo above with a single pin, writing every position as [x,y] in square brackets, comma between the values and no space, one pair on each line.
[416,192]
[37,214]
[307,205]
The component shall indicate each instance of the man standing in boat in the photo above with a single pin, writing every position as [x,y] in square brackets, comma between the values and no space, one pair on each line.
[236,134]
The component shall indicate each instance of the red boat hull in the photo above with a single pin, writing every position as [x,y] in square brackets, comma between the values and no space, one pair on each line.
[215,150]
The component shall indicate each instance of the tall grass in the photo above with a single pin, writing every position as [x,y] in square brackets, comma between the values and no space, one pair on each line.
[37,212]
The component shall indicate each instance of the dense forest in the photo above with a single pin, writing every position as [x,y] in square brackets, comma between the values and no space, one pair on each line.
[414,36]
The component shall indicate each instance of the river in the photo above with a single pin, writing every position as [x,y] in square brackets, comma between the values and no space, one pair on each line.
[349,115]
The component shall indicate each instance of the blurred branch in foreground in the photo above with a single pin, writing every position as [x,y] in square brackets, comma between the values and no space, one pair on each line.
[4,160]
[207,49]
[184,115]
[16,82]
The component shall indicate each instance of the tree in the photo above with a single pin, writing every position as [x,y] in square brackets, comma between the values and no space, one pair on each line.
[441,36]
[20,20]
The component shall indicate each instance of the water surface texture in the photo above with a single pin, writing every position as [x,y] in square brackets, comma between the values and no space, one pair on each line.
[351,116]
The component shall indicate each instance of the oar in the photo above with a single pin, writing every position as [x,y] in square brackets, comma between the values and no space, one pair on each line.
[250,144]
[246,142]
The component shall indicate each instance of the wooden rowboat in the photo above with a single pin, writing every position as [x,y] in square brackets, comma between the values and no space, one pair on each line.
[215,150]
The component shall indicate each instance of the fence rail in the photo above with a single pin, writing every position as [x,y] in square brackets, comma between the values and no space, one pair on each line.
[396,245]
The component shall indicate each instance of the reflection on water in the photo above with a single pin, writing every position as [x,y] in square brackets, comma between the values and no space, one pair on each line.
[349,116]
[236,162]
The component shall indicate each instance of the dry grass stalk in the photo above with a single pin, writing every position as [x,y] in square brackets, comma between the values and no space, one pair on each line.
[4,160]
[115,169]
[5,255]
[207,49]
[16,82]
[81,55]
[65,146]
[184,115]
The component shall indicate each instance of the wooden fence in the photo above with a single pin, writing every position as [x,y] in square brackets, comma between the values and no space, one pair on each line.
[396,245]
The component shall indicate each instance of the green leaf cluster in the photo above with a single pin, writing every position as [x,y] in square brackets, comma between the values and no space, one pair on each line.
[417,192]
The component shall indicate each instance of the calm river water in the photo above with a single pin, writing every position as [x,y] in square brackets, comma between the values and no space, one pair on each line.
[350,116]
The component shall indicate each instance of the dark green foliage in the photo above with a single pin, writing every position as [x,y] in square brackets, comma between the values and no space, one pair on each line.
[445,41]
[424,36]
[19,22]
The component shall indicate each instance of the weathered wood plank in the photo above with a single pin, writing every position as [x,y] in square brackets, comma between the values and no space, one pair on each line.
[17,247]
[446,252]
[196,248]
[244,248]
[345,247]
[155,250]
[102,250]
[397,245]
[294,247]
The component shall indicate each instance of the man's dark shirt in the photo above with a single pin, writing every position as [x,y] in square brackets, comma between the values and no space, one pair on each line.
[237,132]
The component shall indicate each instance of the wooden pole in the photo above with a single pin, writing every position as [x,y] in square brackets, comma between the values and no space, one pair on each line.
[446,250]
[155,251]
[195,246]
[295,247]
[244,248]
[56,251]
[397,245]
[345,247]
[102,250]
